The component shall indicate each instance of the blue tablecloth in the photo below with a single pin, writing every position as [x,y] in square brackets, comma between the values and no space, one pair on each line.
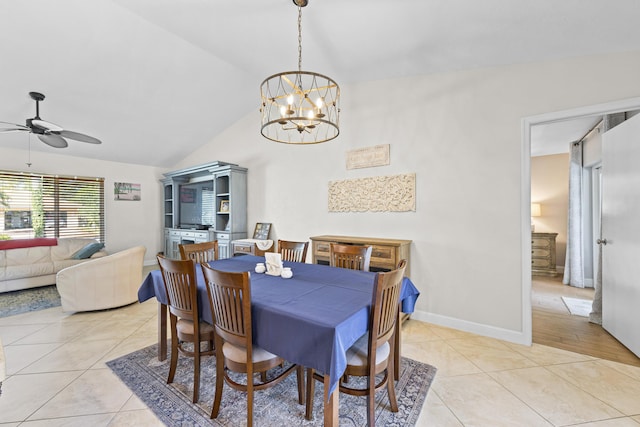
[310,319]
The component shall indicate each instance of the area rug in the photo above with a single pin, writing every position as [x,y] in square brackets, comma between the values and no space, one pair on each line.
[578,307]
[277,406]
[23,301]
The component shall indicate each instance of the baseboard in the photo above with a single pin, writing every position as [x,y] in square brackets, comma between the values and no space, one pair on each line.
[517,337]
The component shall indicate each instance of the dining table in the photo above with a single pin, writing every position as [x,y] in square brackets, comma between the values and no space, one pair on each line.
[310,319]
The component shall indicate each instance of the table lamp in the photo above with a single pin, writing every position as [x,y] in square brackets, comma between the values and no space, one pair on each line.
[535,211]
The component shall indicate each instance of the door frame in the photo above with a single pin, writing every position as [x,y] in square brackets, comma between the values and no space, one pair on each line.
[525,190]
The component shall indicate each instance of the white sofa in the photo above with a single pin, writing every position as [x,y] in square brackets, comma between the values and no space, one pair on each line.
[35,266]
[107,282]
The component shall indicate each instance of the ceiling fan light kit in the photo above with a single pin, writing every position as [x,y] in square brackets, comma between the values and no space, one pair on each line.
[49,133]
[300,107]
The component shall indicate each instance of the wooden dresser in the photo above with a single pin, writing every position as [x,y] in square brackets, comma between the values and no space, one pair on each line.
[385,253]
[543,254]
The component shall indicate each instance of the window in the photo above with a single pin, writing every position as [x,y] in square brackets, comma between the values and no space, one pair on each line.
[38,205]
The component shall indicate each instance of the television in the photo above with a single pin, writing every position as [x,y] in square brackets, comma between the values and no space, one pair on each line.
[197,207]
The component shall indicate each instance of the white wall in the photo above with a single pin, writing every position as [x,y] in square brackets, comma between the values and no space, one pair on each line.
[461,133]
[127,223]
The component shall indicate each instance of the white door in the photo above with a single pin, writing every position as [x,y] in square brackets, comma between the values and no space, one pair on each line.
[621,233]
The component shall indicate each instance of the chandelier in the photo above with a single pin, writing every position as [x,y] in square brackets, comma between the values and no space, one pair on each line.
[300,107]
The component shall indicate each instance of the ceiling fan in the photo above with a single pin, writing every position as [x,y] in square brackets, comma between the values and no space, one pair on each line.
[49,133]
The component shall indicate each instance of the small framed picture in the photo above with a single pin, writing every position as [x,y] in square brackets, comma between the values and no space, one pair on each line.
[126,191]
[224,206]
[262,230]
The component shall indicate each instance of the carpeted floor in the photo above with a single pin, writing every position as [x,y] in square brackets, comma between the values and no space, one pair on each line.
[22,301]
[278,406]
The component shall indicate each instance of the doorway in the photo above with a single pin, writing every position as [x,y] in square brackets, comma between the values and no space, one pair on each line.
[528,123]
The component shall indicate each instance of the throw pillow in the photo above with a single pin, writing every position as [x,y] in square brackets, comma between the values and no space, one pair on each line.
[88,250]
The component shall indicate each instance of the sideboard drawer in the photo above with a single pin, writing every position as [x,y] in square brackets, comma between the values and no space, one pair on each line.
[384,256]
[322,249]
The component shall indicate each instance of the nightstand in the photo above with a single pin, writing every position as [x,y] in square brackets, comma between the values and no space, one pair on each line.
[543,254]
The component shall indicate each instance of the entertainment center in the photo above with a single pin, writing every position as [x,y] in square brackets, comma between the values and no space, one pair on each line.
[204,203]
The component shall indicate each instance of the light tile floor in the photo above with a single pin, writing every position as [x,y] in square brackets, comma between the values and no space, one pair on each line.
[57,375]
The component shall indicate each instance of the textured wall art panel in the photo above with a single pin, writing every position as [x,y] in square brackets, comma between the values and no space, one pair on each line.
[367,157]
[395,193]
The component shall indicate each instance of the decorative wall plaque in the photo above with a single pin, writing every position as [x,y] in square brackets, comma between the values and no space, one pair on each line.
[378,155]
[395,193]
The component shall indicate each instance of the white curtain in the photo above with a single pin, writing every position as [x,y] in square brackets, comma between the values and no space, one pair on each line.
[574,262]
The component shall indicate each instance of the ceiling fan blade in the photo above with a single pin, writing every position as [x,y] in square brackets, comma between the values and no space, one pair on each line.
[79,137]
[51,127]
[11,127]
[54,140]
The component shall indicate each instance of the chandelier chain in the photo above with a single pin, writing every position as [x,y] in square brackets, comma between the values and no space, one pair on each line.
[299,38]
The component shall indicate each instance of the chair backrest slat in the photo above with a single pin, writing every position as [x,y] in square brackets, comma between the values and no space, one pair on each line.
[293,251]
[353,257]
[179,278]
[230,302]
[385,306]
[200,252]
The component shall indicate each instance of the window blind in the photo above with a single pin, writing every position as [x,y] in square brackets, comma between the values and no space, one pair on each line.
[39,205]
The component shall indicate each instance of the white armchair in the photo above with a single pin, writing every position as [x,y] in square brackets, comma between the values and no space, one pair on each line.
[101,283]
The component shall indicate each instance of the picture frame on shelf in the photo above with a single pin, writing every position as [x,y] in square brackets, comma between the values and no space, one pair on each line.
[224,206]
[262,231]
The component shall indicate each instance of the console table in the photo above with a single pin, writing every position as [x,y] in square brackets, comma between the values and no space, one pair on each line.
[248,247]
[385,254]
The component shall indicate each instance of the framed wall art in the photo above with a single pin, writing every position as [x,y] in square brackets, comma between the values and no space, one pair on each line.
[126,191]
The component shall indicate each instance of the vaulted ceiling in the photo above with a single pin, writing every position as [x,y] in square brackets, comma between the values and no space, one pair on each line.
[154,79]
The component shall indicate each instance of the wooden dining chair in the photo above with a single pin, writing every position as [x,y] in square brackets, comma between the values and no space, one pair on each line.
[180,285]
[200,252]
[293,251]
[230,302]
[373,353]
[353,257]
